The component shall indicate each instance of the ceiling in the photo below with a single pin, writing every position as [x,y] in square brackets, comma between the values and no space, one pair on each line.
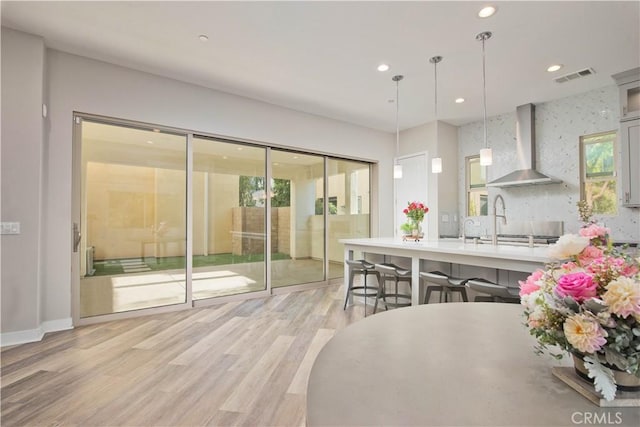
[321,57]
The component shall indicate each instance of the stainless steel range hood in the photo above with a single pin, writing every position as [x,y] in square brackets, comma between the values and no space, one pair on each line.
[526,146]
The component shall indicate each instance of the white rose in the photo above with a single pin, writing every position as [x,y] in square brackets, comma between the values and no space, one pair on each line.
[529,301]
[567,246]
[536,317]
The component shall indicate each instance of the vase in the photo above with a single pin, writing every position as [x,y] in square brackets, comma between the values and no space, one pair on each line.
[416,230]
[624,380]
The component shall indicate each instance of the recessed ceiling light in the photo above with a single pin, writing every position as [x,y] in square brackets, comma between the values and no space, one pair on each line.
[383,67]
[459,100]
[554,67]
[239,148]
[149,142]
[487,11]
[295,157]
[156,130]
[203,37]
[225,157]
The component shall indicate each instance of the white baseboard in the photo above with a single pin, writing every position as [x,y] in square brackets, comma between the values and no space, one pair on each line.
[57,325]
[33,335]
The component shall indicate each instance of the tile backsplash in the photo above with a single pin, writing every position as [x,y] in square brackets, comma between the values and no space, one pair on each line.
[559,126]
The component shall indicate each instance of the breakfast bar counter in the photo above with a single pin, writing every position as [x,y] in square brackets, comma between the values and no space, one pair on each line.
[505,257]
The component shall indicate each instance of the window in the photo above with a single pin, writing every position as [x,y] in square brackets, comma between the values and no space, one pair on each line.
[598,172]
[333,205]
[476,187]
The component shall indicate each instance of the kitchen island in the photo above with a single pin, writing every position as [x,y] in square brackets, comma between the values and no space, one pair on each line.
[504,257]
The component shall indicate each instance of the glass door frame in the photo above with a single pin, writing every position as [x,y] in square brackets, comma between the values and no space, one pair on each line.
[76,212]
[78,222]
[267,250]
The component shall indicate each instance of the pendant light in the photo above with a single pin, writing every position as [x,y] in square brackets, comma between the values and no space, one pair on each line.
[486,156]
[397,167]
[436,162]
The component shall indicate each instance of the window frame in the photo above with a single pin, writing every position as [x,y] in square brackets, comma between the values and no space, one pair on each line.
[468,188]
[584,179]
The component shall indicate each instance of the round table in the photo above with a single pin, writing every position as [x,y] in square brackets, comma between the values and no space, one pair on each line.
[457,364]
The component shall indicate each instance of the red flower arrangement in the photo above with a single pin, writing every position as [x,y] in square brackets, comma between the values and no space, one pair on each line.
[415,211]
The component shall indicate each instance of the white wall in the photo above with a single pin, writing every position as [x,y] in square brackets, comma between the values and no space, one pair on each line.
[85,85]
[441,140]
[37,157]
[559,125]
[448,213]
[23,59]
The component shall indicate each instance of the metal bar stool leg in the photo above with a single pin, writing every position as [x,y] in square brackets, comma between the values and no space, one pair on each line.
[384,292]
[375,306]
[463,292]
[396,280]
[352,274]
[364,273]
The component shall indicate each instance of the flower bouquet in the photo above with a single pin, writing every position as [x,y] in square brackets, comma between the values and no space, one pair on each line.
[588,303]
[415,212]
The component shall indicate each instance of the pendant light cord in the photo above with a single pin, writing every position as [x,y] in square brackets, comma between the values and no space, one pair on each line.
[484,90]
[397,120]
[397,80]
[434,60]
[435,88]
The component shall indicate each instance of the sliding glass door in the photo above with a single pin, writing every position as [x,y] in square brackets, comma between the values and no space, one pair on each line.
[132,231]
[163,217]
[349,207]
[229,208]
[297,218]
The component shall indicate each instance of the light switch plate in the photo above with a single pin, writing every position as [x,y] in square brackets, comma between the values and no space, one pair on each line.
[10,228]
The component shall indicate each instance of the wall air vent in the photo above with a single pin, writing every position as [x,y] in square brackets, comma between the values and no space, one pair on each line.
[575,75]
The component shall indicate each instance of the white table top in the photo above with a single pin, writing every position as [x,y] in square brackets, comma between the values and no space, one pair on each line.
[457,364]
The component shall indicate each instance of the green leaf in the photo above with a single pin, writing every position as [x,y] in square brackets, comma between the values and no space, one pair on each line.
[616,358]
[572,304]
[602,377]
[594,306]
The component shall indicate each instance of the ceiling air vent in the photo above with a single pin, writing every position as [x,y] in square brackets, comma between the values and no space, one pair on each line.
[575,75]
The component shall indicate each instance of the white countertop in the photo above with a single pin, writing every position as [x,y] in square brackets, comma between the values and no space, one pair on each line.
[456,247]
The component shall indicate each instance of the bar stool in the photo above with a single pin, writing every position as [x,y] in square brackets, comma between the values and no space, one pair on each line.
[495,292]
[364,268]
[444,284]
[396,274]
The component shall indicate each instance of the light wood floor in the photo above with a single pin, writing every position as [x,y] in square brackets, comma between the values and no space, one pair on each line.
[242,363]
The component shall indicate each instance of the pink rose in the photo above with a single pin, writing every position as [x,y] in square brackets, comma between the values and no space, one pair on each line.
[530,284]
[594,230]
[589,254]
[629,270]
[579,286]
[569,266]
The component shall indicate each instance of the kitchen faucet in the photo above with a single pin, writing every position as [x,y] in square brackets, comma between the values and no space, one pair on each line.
[494,238]
[464,228]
